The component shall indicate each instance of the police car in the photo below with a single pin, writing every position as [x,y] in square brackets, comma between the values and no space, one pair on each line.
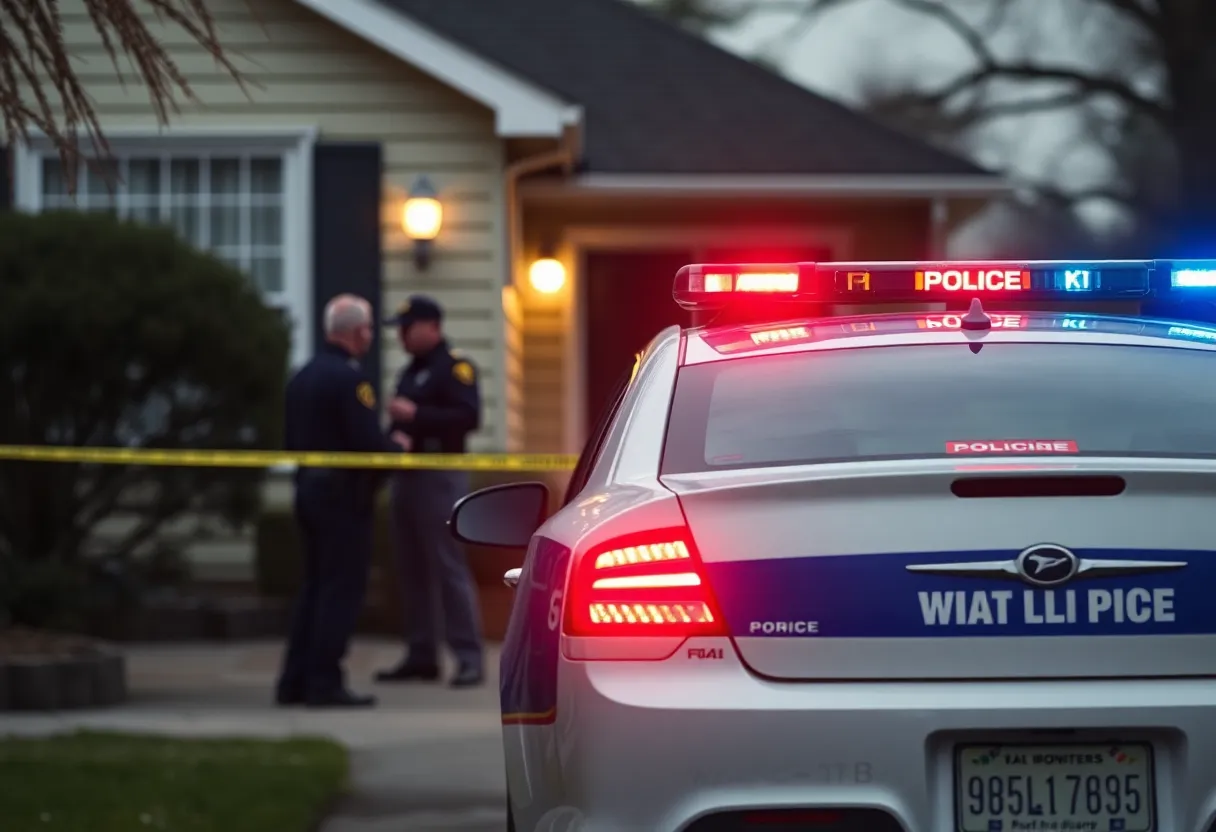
[948,566]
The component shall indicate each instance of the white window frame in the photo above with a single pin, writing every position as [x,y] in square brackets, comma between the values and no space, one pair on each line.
[294,145]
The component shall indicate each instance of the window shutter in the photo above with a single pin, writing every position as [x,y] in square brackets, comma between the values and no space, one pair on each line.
[6,179]
[347,254]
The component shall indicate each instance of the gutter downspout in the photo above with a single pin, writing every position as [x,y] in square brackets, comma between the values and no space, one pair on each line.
[565,156]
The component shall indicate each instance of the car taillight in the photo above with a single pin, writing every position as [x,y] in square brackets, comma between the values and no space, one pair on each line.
[642,586]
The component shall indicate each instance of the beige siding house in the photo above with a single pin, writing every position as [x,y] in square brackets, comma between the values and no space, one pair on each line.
[544,139]
[234,169]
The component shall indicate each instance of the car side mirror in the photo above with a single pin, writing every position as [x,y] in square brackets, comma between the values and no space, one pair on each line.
[504,516]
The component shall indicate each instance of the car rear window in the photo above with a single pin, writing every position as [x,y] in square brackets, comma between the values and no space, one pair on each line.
[937,400]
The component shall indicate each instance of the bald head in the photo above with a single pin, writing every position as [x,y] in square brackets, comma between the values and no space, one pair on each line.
[347,322]
[345,314]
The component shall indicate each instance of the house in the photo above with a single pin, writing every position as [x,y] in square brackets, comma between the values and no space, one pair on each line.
[582,130]
[585,134]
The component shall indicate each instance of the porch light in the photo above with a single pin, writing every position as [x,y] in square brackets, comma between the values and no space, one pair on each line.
[547,275]
[422,218]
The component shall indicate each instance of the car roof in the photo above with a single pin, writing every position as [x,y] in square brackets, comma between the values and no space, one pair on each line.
[716,343]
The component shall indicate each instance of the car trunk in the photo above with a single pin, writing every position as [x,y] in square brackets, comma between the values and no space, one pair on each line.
[909,570]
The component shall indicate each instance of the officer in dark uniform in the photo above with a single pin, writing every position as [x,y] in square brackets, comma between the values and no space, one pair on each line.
[331,406]
[437,406]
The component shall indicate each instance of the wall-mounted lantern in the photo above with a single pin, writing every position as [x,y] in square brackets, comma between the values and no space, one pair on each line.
[422,219]
[547,275]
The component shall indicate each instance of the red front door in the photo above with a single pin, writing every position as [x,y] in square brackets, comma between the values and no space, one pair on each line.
[626,303]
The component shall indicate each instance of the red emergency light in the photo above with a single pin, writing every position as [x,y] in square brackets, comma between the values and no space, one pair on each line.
[712,286]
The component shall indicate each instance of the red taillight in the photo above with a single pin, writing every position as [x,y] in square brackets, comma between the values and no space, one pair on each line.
[642,586]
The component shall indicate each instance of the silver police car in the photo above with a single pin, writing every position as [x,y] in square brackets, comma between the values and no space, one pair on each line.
[919,570]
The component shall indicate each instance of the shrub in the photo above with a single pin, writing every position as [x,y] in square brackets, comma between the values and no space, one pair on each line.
[118,334]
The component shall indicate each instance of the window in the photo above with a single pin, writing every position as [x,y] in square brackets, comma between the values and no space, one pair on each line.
[916,402]
[247,200]
[230,205]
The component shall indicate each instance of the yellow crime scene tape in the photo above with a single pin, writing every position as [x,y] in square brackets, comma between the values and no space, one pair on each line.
[267,459]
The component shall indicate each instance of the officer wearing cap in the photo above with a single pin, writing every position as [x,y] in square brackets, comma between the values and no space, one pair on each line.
[331,406]
[437,406]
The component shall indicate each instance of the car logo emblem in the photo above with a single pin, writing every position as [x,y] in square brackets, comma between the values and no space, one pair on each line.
[1047,565]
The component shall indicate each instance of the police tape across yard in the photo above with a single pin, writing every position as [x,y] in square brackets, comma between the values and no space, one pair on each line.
[268,459]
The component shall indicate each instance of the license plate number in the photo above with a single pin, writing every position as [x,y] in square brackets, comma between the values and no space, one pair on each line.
[1054,788]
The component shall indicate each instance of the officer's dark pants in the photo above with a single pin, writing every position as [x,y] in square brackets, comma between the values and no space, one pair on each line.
[335,522]
[433,567]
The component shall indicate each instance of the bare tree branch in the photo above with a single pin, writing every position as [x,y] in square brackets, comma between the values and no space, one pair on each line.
[1138,13]
[991,68]
[1085,84]
[35,64]
[926,113]
[779,45]
[1136,73]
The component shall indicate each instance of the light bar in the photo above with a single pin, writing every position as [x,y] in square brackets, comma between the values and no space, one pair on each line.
[714,286]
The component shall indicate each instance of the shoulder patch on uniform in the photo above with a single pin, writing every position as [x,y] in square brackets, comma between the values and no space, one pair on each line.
[463,372]
[366,395]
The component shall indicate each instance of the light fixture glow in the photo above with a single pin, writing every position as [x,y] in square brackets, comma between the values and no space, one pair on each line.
[547,275]
[422,218]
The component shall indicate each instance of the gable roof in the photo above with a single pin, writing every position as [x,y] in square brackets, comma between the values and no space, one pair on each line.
[658,100]
[521,108]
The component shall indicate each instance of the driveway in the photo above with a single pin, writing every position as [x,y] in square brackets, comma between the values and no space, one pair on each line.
[428,758]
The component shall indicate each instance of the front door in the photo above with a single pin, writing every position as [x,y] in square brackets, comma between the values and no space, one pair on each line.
[626,303]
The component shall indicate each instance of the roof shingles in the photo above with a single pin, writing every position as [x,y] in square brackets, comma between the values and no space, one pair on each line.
[657,100]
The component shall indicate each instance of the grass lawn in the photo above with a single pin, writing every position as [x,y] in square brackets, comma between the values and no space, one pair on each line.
[102,782]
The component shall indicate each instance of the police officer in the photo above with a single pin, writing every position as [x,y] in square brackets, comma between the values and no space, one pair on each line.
[331,407]
[437,405]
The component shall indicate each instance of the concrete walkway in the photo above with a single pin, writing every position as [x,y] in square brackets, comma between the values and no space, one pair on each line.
[427,759]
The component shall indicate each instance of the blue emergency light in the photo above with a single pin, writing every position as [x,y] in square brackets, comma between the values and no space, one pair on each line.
[713,286]
[1193,275]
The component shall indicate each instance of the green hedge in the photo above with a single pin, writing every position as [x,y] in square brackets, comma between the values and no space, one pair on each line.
[278,561]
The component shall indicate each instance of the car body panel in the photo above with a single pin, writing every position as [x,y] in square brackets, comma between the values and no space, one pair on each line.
[533,643]
[697,736]
[780,546]
[654,733]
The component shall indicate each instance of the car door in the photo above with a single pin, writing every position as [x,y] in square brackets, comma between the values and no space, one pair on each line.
[532,650]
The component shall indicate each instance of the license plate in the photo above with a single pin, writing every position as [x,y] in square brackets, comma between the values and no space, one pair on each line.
[1060,788]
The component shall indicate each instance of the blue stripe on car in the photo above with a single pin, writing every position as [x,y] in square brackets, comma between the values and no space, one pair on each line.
[875,596]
